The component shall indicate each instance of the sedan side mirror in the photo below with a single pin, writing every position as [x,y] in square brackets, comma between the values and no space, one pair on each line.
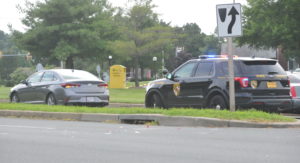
[24,82]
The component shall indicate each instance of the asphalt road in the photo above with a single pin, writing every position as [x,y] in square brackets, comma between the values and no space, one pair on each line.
[46,141]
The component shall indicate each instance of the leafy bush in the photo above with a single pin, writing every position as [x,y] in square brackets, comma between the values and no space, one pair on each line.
[18,75]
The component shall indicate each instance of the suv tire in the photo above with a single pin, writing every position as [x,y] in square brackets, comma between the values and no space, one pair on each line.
[155,101]
[217,102]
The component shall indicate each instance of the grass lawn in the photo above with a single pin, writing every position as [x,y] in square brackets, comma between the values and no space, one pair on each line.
[131,95]
[4,92]
[249,115]
[132,84]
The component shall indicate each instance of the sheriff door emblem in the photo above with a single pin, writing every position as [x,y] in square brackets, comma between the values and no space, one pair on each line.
[176,89]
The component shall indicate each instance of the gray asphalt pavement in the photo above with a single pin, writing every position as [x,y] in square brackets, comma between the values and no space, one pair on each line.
[47,141]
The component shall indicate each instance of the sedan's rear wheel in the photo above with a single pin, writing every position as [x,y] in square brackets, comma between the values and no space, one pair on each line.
[217,102]
[51,99]
[15,98]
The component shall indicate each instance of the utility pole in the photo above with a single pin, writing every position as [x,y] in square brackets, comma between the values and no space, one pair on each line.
[231,75]
[229,20]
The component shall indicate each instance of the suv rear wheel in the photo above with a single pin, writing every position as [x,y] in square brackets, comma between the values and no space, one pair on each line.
[217,102]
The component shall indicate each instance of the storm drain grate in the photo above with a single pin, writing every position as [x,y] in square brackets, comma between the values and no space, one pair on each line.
[137,121]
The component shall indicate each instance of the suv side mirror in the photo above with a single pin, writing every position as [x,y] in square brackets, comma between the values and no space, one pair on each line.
[170,76]
[165,72]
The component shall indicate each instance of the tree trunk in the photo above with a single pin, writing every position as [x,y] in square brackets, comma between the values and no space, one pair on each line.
[142,73]
[136,71]
[281,58]
[69,63]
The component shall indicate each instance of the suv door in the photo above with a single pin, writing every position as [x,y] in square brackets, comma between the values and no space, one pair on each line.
[179,91]
[197,86]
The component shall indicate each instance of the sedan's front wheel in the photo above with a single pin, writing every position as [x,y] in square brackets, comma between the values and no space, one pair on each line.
[51,99]
[15,98]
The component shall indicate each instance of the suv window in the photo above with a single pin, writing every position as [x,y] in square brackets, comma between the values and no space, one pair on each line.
[262,67]
[223,68]
[204,69]
[186,70]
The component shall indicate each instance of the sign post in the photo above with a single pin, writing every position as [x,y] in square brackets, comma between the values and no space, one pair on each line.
[229,25]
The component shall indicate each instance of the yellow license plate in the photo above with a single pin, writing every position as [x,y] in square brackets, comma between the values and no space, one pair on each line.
[271,85]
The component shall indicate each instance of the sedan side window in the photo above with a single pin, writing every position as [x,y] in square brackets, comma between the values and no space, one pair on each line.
[186,70]
[35,77]
[48,76]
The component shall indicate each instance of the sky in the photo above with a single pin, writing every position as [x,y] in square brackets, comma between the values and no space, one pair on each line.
[177,12]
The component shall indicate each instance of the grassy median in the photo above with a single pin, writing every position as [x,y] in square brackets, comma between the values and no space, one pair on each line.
[249,115]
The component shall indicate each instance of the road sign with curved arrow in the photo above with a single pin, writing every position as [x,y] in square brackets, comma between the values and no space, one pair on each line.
[229,20]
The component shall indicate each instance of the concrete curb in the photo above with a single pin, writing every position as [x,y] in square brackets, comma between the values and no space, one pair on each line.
[181,121]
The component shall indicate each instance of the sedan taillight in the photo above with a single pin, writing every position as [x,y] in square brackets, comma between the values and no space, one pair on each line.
[70,85]
[103,85]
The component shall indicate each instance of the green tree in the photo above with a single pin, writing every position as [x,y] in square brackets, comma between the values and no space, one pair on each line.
[193,39]
[9,63]
[67,29]
[272,23]
[142,35]
[195,43]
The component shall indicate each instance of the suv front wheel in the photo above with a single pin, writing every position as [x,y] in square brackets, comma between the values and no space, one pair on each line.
[217,102]
[155,101]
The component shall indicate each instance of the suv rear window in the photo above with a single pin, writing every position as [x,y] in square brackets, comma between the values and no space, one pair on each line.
[262,67]
[223,68]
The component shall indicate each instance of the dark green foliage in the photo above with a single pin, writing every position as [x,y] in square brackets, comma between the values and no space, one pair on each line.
[9,63]
[20,74]
[67,29]
[270,23]
[143,36]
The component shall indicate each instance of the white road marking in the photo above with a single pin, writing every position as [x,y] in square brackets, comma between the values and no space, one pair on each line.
[30,127]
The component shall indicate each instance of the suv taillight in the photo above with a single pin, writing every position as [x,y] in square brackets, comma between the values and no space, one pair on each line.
[70,85]
[244,81]
[293,92]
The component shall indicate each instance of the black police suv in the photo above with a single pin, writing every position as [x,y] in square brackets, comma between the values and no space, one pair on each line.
[259,83]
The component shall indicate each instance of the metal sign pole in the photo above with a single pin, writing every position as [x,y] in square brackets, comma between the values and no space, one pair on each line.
[231,76]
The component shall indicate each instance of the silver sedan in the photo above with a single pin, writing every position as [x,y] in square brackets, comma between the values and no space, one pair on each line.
[62,86]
